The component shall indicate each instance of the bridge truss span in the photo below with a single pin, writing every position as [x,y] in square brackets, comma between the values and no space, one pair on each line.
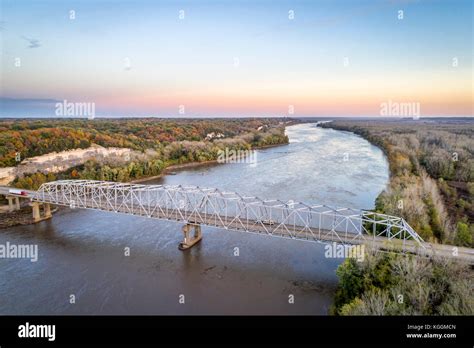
[230,210]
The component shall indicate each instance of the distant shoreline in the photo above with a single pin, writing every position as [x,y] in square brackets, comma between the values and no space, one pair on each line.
[172,167]
[181,166]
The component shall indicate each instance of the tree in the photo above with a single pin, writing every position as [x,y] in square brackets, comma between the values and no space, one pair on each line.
[463,235]
[403,285]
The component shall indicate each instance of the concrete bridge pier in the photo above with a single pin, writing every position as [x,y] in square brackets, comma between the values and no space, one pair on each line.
[188,240]
[13,203]
[47,210]
[35,206]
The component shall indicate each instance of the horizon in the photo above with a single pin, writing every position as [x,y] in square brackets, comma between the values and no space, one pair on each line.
[185,117]
[181,59]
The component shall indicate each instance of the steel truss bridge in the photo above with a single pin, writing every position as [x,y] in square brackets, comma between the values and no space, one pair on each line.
[195,206]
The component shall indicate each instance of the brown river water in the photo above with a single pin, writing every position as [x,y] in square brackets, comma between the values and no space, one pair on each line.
[82,252]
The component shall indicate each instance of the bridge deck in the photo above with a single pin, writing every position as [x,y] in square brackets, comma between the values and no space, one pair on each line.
[104,196]
[299,232]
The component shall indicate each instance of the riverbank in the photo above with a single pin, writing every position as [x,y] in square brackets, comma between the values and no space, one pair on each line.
[153,159]
[431,179]
[173,167]
[21,217]
[176,167]
[417,192]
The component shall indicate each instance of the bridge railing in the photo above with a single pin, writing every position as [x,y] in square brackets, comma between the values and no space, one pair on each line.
[228,210]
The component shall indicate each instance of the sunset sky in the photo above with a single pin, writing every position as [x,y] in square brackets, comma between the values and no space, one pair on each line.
[239,58]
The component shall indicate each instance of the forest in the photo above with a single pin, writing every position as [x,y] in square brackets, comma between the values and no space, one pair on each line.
[41,136]
[431,174]
[432,186]
[399,284]
[157,144]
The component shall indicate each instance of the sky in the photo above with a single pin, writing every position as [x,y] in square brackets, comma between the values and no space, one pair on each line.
[236,58]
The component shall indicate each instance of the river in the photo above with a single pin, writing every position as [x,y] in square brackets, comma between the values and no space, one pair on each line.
[82,252]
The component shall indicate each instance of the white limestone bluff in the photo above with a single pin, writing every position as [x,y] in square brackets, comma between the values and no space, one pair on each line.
[55,162]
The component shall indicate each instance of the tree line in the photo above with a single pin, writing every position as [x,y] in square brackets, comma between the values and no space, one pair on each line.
[432,174]
[29,138]
[152,161]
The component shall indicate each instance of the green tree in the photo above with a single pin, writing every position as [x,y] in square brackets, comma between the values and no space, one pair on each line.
[463,235]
